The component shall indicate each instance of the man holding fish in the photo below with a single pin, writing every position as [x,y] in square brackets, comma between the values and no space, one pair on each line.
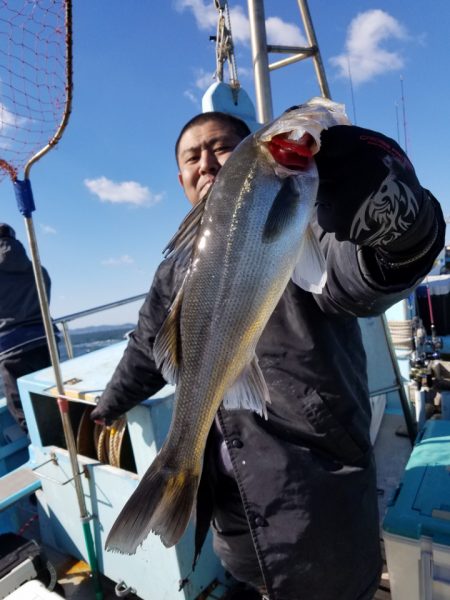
[295,232]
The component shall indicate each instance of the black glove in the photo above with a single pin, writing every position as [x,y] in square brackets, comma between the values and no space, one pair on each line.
[99,416]
[368,190]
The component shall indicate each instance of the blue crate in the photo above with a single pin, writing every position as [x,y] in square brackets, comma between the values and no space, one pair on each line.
[416,528]
[13,454]
[13,443]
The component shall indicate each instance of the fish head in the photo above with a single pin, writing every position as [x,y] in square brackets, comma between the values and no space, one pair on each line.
[290,141]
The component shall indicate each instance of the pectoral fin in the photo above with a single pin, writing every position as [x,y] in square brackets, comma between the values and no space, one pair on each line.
[249,391]
[310,272]
[167,346]
[282,210]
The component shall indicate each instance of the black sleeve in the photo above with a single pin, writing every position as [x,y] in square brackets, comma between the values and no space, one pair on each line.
[411,253]
[136,377]
[362,283]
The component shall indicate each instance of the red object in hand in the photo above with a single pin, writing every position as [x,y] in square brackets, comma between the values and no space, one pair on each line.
[290,154]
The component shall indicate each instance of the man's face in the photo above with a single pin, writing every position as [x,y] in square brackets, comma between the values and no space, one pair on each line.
[202,151]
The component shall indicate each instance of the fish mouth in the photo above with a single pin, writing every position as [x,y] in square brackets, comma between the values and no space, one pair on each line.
[295,155]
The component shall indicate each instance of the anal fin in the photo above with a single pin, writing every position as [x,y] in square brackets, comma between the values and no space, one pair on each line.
[249,391]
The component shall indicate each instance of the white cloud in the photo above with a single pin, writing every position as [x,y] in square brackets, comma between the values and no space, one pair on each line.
[48,229]
[125,259]
[203,79]
[9,119]
[364,52]
[205,14]
[124,192]
[192,97]
[240,26]
[278,31]
[245,72]
[284,34]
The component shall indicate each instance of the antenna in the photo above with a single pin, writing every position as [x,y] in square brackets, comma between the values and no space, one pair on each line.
[397,122]
[404,114]
[351,88]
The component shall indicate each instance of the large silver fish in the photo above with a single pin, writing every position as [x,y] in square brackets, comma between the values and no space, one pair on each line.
[247,239]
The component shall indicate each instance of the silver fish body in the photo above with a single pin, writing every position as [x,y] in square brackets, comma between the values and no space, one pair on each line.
[250,241]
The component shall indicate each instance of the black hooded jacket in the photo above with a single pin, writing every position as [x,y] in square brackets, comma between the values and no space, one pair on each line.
[21,326]
[306,476]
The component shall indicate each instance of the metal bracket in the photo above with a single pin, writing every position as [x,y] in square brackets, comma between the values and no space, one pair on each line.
[122,589]
[53,459]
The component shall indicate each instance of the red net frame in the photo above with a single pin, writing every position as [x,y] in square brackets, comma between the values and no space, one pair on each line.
[35,80]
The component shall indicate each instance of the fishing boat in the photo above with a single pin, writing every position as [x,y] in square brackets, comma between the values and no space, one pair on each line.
[54,547]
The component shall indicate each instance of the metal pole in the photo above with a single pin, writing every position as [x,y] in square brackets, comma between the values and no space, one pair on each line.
[289,60]
[410,424]
[67,340]
[312,40]
[63,403]
[96,309]
[260,60]
[53,350]
[26,206]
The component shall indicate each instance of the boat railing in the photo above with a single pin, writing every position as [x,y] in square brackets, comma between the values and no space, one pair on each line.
[64,321]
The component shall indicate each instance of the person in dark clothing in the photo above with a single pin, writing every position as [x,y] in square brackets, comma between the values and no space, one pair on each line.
[23,347]
[292,499]
[445,269]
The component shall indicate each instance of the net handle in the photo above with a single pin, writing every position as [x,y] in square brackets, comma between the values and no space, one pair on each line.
[25,201]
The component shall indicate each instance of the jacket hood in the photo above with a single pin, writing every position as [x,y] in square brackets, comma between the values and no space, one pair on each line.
[13,258]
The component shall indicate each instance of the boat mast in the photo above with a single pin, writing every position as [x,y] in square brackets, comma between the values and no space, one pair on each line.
[260,52]
[260,60]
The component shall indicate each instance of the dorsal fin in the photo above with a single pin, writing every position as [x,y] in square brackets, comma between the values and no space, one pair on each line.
[184,239]
[167,346]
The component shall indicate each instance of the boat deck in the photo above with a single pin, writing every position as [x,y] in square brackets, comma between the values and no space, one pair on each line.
[392,450]
[77,585]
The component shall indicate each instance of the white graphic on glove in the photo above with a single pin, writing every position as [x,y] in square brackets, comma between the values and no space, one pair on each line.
[386,214]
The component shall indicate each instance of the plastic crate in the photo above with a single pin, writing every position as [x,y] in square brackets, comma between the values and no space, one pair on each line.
[416,528]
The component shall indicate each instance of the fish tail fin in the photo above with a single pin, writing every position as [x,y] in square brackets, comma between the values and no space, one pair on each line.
[162,503]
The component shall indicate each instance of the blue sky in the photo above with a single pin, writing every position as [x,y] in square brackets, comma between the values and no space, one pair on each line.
[107,196]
